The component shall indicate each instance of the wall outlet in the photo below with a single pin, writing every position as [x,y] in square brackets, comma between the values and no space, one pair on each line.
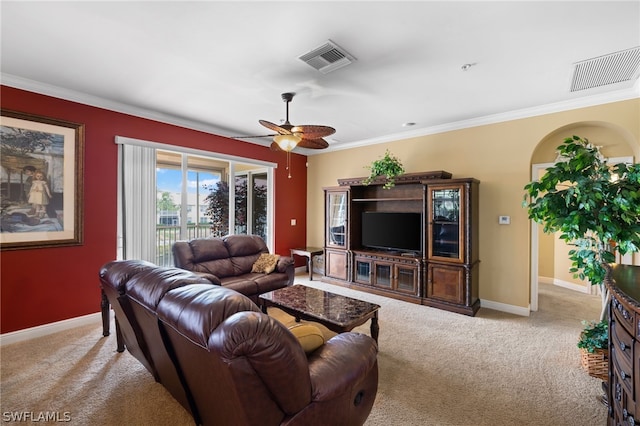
[504,220]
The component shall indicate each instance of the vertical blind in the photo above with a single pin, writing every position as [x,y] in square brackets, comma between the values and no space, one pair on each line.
[137,183]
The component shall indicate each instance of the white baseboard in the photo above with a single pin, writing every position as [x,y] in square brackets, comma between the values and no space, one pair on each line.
[46,329]
[546,280]
[566,284]
[503,307]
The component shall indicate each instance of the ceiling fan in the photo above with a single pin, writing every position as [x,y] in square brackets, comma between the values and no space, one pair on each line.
[308,136]
[288,136]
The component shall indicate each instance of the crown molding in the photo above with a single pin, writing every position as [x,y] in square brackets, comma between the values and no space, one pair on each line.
[589,101]
[95,101]
[83,98]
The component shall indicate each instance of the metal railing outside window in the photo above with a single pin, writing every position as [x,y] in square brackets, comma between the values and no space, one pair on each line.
[166,235]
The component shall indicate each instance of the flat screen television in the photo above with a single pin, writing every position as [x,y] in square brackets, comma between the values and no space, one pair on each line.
[392,231]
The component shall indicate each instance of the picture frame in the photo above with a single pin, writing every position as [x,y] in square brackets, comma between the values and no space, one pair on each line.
[41,181]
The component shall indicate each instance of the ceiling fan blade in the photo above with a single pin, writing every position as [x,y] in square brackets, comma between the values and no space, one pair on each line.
[255,136]
[313,132]
[318,143]
[280,129]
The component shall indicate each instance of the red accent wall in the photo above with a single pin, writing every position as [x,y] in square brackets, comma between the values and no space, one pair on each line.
[41,286]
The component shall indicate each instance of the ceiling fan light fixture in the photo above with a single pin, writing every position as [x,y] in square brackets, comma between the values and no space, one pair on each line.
[287,142]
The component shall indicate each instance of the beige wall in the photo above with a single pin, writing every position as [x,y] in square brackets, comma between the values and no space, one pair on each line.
[546,254]
[500,156]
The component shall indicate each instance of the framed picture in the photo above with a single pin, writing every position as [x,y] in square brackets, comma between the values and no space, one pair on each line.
[41,176]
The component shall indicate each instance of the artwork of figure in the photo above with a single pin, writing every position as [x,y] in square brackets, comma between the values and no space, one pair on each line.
[29,171]
[39,195]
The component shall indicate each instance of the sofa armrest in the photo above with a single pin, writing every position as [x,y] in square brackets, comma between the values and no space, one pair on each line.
[252,344]
[286,265]
[283,263]
[344,360]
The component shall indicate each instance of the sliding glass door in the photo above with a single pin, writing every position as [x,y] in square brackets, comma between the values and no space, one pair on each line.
[251,203]
[192,199]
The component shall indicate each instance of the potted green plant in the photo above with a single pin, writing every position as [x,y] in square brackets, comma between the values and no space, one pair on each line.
[596,208]
[594,337]
[593,204]
[388,166]
[594,348]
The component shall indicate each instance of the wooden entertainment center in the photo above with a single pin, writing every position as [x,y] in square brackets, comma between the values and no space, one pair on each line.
[442,273]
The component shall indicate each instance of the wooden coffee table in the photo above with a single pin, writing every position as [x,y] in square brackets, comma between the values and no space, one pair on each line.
[337,313]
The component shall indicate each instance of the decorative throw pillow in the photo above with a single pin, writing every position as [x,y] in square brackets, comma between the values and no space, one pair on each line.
[309,336]
[266,263]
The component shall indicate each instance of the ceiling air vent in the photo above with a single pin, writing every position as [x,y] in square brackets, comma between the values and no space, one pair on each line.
[608,69]
[328,57]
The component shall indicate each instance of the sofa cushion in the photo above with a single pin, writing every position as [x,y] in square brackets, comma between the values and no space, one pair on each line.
[266,263]
[150,286]
[245,245]
[309,336]
[205,249]
[196,310]
[243,284]
[115,274]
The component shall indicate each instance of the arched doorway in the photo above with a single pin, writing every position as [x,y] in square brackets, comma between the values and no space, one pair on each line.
[617,144]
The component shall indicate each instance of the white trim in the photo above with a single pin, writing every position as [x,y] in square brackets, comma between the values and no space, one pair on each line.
[572,286]
[271,210]
[95,101]
[123,140]
[533,298]
[83,98]
[46,329]
[503,307]
[545,280]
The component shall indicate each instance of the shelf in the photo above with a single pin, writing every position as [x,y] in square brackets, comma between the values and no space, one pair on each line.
[365,200]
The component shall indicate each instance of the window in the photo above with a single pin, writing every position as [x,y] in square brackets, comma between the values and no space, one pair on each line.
[191,196]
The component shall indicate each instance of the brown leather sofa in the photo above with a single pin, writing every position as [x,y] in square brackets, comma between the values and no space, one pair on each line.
[228,261]
[228,363]
[133,288]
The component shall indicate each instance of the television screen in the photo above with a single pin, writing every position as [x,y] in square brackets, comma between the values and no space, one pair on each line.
[392,231]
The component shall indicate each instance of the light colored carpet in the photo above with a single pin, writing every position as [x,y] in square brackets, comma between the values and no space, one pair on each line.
[436,368]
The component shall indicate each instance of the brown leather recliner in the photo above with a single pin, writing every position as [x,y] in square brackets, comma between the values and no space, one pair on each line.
[243,367]
[144,291]
[228,261]
[134,288]
[113,279]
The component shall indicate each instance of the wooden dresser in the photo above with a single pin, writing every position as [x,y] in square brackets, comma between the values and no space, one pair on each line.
[623,282]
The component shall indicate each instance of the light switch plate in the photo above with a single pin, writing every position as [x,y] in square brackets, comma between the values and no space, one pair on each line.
[504,220]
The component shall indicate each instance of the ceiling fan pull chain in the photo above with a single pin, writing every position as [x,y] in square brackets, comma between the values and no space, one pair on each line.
[289,163]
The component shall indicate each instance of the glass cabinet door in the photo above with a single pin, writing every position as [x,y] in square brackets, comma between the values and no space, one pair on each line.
[406,279]
[362,271]
[383,275]
[445,230]
[336,224]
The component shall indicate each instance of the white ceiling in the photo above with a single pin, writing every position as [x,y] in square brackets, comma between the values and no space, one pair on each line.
[222,66]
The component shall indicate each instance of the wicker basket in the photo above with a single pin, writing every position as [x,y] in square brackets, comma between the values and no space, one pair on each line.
[596,364]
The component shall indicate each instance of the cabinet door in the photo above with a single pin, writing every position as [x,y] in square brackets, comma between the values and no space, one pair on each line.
[446,283]
[362,271]
[383,274]
[336,218]
[445,227]
[406,279]
[336,264]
